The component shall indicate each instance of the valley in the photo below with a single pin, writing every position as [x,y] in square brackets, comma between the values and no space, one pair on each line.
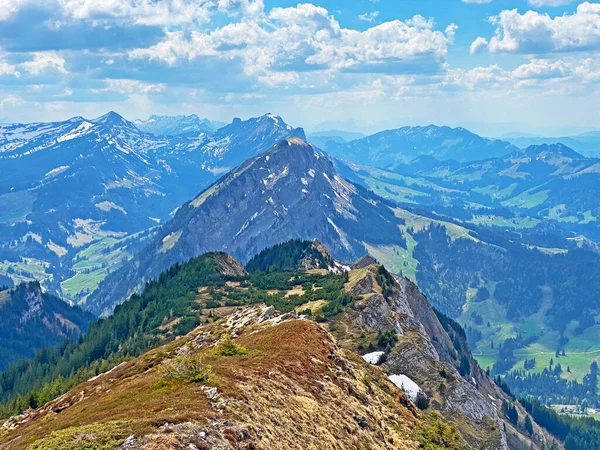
[492,244]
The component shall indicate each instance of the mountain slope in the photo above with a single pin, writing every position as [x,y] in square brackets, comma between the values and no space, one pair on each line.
[266,374]
[551,182]
[73,184]
[31,319]
[388,149]
[291,191]
[250,407]
[548,186]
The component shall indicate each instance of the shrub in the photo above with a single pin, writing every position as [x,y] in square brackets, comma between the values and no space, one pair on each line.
[385,338]
[435,434]
[422,401]
[101,436]
[186,368]
[229,348]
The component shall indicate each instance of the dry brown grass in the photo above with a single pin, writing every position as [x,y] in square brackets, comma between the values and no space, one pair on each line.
[294,388]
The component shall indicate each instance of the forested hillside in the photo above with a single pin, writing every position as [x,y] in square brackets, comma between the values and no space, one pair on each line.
[31,319]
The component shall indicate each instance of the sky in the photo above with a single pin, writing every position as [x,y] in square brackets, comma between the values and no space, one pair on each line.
[494,66]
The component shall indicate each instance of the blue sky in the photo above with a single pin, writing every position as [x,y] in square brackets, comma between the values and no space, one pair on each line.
[494,66]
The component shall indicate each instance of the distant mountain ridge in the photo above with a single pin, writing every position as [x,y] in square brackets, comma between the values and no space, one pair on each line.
[390,148]
[546,181]
[587,144]
[184,126]
[67,185]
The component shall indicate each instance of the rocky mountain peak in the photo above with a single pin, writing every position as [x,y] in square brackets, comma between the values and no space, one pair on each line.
[110,118]
[264,201]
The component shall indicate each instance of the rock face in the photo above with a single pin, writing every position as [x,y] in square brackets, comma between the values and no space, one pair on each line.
[30,319]
[427,351]
[290,192]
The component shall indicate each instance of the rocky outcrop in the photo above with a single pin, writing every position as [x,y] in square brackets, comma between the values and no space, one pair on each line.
[423,352]
[229,266]
[363,262]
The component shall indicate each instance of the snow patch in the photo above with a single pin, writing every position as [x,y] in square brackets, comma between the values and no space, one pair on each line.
[407,385]
[373,358]
[81,130]
[56,171]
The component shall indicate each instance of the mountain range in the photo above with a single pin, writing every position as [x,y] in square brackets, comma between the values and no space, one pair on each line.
[587,144]
[79,183]
[115,218]
[185,126]
[295,191]
[390,148]
[31,319]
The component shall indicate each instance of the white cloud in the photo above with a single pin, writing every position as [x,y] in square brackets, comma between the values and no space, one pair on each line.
[588,70]
[308,38]
[43,61]
[10,7]
[540,3]
[10,101]
[143,12]
[566,74]
[369,17]
[246,7]
[542,69]
[8,69]
[535,33]
[477,45]
[123,86]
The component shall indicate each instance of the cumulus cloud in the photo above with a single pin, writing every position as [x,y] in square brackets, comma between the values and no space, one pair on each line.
[477,45]
[7,68]
[144,12]
[125,86]
[307,38]
[369,17]
[43,61]
[536,33]
[10,101]
[566,74]
[542,69]
[140,12]
[10,7]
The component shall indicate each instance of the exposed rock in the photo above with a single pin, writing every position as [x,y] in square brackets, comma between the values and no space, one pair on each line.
[423,351]
[229,266]
[363,262]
